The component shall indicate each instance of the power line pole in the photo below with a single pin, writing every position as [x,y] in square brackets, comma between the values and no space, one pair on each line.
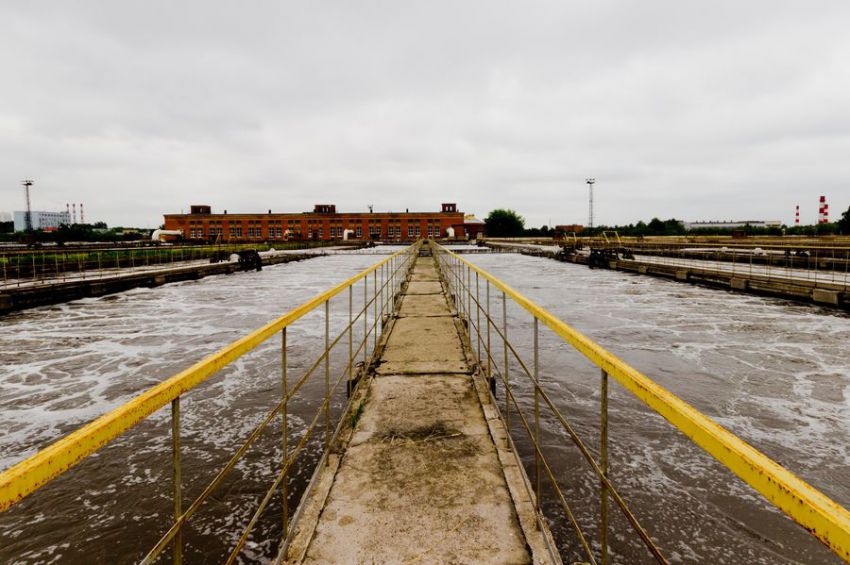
[590,183]
[28,215]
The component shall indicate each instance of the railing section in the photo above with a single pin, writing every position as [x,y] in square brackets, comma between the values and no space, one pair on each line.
[381,285]
[472,290]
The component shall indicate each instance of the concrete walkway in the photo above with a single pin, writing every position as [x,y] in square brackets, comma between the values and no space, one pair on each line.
[426,474]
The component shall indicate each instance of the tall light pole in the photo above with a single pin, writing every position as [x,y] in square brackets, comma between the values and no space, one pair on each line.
[590,183]
[28,215]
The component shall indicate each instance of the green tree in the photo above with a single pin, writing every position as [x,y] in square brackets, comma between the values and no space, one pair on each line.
[504,223]
[844,222]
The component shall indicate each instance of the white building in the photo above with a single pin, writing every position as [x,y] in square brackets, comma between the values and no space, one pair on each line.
[41,220]
[732,225]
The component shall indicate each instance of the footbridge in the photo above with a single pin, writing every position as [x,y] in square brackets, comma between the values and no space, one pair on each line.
[410,447]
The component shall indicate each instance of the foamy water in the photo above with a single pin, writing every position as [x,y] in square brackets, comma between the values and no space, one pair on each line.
[772,371]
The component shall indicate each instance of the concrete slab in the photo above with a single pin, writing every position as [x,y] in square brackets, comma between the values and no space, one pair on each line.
[825,296]
[426,277]
[429,340]
[404,404]
[403,491]
[424,305]
[427,474]
[424,287]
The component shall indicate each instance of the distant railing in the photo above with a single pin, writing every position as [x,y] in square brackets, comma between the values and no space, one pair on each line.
[387,277]
[471,288]
[38,267]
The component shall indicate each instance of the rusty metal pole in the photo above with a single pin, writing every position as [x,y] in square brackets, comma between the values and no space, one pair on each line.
[505,368]
[285,432]
[375,308]
[603,465]
[537,414]
[176,478]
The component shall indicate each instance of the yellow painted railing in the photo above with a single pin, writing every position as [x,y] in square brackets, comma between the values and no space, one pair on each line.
[810,508]
[34,472]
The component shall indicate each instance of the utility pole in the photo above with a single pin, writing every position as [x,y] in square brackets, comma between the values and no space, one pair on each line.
[590,183]
[28,215]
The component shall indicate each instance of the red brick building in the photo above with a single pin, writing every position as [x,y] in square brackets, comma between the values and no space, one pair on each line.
[323,223]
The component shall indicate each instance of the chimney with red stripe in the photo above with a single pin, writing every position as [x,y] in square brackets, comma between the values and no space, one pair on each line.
[823,211]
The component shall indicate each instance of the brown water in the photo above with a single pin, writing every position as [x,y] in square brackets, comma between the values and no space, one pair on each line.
[772,371]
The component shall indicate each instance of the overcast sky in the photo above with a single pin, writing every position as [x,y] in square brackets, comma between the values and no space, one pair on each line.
[699,111]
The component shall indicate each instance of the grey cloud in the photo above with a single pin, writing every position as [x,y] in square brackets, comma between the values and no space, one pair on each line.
[699,111]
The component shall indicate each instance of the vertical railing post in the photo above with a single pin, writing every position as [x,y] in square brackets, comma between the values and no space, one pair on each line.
[468,298]
[383,295]
[537,413]
[478,316]
[327,381]
[177,481]
[284,439]
[505,369]
[489,360]
[375,307]
[603,465]
[365,320]
[350,339]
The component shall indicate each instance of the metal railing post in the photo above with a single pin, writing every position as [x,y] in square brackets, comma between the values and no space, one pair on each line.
[603,465]
[505,368]
[350,338]
[365,320]
[177,558]
[327,381]
[375,307]
[285,433]
[383,295]
[468,298]
[489,360]
[537,414]
[478,316]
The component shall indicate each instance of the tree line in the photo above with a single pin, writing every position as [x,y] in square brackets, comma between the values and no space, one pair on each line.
[503,222]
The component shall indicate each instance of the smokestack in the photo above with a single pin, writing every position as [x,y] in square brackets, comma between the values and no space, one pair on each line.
[82,216]
[797,216]
[823,211]
[74,215]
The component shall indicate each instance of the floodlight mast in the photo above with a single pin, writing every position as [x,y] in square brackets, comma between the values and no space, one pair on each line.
[28,214]
[590,183]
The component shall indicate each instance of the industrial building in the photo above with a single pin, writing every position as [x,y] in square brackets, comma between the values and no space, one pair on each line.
[46,221]
[732,225]
[324,223]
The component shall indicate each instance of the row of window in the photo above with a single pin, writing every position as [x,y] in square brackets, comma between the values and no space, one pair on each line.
[335,232]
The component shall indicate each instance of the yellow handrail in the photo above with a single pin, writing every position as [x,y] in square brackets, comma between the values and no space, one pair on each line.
[32,473]
[824,518]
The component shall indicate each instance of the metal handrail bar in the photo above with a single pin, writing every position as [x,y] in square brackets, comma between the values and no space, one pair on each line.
[621,503]
[30,474]
[179,522]
[810,508]
[210,488]
[281,475]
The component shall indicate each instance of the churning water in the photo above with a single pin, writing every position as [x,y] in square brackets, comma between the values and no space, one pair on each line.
[774,372]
